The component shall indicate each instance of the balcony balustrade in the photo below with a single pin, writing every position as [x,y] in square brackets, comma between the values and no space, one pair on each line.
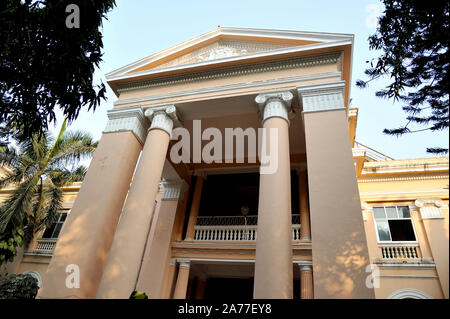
[45,245]
[234,228]
[400,251]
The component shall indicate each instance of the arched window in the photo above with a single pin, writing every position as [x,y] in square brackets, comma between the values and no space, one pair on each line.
[36,275]
[409,294]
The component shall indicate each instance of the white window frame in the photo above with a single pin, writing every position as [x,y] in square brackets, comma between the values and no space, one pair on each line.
[387,219]
[60,212]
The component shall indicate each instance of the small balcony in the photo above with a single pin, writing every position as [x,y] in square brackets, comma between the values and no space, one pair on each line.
[45,245]
[398,251]
[234,228]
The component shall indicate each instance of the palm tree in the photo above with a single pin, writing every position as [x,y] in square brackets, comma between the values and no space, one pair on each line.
[38,168]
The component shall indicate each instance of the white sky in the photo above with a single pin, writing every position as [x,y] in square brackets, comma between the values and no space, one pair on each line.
[139,28]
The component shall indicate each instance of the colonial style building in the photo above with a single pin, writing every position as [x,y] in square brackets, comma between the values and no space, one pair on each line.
[324,217]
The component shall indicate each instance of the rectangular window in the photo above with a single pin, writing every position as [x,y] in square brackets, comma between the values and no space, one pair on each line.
[55,228]
[394,223]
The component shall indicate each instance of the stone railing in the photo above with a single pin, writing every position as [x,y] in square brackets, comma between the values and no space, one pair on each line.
[400,251]
[45,245]
[234,228]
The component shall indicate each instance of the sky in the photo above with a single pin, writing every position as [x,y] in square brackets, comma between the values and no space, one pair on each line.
[138,28]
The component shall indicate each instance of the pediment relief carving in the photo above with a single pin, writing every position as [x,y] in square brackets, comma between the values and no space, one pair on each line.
[221,49]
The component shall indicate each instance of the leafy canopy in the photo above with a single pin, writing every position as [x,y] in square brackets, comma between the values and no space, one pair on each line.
[44,64]
[37,169]
[414,39]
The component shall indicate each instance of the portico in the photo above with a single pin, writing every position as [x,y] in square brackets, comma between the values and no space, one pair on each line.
[156,228]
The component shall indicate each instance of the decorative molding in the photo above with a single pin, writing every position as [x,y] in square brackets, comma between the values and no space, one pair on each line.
[322,97]
[36,275]
[366,209]
[405,192]
[231,87]
[127,119]
[293,63]
[409,294]
[401,178]
[429,208]
[275,104]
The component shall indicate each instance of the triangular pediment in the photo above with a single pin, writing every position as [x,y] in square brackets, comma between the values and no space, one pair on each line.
[225,44]
[221,49]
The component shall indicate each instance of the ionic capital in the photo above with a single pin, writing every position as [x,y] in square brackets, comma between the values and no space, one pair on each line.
[127,119]
[163,118]
[322,97]
[275,104]
[429,207]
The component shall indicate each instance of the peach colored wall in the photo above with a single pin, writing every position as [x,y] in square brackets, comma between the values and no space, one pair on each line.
[339,251]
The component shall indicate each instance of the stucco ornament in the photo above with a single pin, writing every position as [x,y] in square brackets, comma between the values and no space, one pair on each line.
[220,53]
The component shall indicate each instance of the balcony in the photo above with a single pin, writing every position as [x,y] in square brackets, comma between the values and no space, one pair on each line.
[45,245]
[398,251]
[234,228]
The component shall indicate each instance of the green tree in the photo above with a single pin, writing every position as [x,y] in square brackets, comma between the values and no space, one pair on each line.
[413,37]
[44,64]
[38,168]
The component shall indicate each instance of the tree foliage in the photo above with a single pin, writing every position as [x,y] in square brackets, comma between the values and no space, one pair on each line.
[37,169]
[414,39]
[44,64]
[23,286]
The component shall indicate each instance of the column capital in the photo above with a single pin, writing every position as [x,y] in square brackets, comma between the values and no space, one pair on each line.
[163,117]
[173,189]
[127,119]
[186,263]
[275,104]
[305,267]
[322,97]
[429,207]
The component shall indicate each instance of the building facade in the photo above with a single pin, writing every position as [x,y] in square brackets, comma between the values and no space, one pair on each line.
[169,208]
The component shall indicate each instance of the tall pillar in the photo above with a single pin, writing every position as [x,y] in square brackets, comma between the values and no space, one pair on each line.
[305,228]
[182,280]
[436,228]
[152,274]
[122,268]
[339,249]
[195,207]
[273,260]
[306,282]
[86,238]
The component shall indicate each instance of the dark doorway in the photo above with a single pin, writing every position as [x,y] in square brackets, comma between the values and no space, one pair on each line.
[229,288]
[224,195]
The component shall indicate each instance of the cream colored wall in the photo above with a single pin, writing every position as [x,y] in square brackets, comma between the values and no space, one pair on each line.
[387,190]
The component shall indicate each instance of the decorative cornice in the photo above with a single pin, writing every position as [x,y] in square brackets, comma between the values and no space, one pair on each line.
[275,104]
[292,63]
[429,207]
[322,97]
[401,178]
[127,119]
